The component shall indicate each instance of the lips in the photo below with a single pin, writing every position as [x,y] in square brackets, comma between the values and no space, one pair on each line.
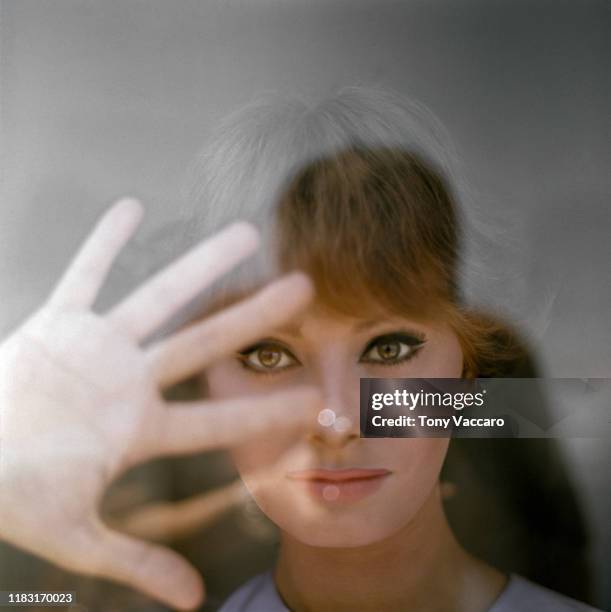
[340,485]
[336,475]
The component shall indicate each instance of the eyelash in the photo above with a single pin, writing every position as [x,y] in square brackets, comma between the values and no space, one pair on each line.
[413,340]
[274,344]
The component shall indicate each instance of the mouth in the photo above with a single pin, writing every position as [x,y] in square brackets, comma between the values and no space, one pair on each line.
[340,485]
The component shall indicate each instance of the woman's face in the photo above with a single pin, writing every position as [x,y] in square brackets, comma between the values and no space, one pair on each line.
[328,486]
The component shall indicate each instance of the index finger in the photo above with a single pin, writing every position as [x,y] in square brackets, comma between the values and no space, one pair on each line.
[191,349]
[142,312]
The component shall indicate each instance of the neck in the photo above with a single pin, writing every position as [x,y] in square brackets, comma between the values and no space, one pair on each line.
[420,568]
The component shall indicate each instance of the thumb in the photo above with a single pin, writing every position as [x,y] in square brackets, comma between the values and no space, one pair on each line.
[154,570]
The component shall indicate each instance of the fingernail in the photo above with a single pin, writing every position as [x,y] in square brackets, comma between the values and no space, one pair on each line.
[132,207]
[250,234]
[302,280]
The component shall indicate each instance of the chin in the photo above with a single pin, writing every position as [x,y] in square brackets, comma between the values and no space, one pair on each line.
[339,538]
[335,527]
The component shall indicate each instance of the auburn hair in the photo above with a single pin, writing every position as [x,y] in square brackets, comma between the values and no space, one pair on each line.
[378,231]
[358,192]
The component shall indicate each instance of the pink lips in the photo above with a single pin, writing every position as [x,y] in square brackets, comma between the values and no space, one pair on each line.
[340,485]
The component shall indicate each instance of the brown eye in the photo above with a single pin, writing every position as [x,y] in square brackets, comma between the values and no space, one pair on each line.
[392,348]
[268,357]
[389,350]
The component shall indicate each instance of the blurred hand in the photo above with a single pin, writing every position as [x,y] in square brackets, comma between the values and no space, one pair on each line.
[80,401]
[167,521]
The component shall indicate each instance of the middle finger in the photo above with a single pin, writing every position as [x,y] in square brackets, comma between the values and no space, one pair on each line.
[142,312]
[189,351]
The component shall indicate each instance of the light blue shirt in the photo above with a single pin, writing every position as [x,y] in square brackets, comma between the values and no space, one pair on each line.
[520,595]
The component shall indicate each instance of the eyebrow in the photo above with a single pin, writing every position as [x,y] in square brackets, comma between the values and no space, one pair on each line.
[365,325]
[291,329]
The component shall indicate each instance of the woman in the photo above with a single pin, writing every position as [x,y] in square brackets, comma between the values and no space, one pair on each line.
[355,193]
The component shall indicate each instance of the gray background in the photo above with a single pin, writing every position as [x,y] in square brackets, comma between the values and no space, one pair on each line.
[101,99]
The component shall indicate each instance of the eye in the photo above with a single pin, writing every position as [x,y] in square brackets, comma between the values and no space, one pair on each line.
[267,357]
[390,349]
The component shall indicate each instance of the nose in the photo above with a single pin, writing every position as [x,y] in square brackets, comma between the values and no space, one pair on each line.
[334,430]
[338,423]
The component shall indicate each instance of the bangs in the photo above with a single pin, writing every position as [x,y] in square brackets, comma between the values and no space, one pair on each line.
[375,229]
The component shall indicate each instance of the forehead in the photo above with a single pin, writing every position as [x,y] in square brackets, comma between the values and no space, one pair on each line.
[320,320]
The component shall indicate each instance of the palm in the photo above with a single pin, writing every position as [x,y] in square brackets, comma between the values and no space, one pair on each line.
[81,401]
[77,359]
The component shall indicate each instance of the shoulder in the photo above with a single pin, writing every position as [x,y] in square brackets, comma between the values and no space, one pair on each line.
[257,595]
[522,594]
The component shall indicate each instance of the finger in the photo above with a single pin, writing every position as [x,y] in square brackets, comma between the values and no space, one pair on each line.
[148,307]
[154,570]
[263,474]
[81,282]
[164,522]
[189,427]
[190,350]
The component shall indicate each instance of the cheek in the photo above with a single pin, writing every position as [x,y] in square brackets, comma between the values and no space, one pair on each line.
[418,462]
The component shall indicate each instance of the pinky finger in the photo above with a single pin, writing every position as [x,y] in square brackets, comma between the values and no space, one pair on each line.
[82,280]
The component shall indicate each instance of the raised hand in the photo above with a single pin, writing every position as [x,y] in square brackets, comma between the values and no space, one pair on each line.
[80,401]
